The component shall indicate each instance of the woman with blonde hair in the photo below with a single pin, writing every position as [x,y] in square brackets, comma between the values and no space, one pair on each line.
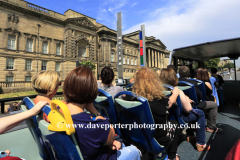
[147,84]
[46,84]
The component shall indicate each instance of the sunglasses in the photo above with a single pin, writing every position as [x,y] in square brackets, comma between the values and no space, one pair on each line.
[60,83]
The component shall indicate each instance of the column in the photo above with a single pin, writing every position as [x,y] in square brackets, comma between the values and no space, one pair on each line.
[163,59]
[156,58]
[153,57]
[149,57]
[159,66]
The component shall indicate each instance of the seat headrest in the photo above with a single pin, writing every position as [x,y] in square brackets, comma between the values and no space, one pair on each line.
[60,119]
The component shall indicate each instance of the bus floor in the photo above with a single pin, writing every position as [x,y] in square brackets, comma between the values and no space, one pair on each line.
[228,119]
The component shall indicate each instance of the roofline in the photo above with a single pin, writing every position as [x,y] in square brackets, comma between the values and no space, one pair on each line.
[79,13]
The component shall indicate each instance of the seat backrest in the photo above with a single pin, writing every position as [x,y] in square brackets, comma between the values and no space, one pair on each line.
[136,114]
[106,107]
[175,112]
[60,137]
[32,123]
[201,87]
[190,92]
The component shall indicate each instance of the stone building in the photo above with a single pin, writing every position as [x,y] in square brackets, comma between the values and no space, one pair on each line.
[63,40]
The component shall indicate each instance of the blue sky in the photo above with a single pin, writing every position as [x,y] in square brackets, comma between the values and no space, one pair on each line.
[177,23]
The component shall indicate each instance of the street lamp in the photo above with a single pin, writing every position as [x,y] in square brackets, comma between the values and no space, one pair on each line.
[38,45]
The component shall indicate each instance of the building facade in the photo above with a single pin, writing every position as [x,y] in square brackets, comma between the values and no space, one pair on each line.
[34,39]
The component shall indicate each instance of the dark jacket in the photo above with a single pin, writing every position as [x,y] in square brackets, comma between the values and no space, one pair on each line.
[198,92]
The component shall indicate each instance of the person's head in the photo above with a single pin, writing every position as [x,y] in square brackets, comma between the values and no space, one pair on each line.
[214,70]
[172,67]
[158,72]
[80,86]
[168,76]
[184,71]
[147,84]
[107,75]
[202,74]
[46,83]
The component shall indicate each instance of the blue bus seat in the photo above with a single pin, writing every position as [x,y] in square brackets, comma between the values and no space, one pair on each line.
[61,138]
[175,111]
[106,107]
[129,87]
[189,91]
[201,87]
[138,113]
[32,123]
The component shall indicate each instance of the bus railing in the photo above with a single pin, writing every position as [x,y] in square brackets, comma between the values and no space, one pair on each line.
[2,101]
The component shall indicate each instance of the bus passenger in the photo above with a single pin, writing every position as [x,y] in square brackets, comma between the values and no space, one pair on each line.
[147,84]
[107,77]
[168,76]
[80,89]
[209,106]
[46,84]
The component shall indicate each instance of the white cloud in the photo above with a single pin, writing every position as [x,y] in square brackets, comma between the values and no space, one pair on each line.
[133,4]
[189,22]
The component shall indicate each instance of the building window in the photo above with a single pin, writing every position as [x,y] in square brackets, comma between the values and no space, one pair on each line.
[123,60]
[28,65]
[57,66]
[44,65]
[58,49]
[131,52]
[29,47]
[10,63]
[84,52]
[11,42]
[135,61]
[28,78]
[127,60]
[45,47]
[9,78]
[112,57]
[131,61]
[81,51]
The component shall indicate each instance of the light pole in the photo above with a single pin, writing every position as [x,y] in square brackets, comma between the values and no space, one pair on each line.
[38,45]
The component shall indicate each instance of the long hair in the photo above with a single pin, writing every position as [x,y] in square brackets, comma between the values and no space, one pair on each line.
[168,76]
[147,84]
[202,74]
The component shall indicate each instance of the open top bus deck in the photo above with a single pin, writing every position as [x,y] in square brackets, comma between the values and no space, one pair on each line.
[21,143]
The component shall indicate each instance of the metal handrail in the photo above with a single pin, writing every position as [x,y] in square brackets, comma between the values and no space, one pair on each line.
[2,101]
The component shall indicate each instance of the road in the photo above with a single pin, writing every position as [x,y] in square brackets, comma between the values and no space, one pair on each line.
[226,77]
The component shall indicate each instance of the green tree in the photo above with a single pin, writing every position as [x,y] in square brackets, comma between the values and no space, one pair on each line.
[220,68]
[229,66]
[212,63]
[89,64]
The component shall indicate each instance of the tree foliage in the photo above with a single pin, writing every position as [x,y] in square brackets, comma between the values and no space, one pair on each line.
[229,65]
[212,63]
[89,64]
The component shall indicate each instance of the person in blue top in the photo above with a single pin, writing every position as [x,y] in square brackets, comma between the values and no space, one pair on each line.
[95,137]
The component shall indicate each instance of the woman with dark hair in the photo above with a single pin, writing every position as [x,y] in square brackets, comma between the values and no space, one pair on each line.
[80,89]
[148,85]
[203,75]
[107,77]
[211,108]
[168,76]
